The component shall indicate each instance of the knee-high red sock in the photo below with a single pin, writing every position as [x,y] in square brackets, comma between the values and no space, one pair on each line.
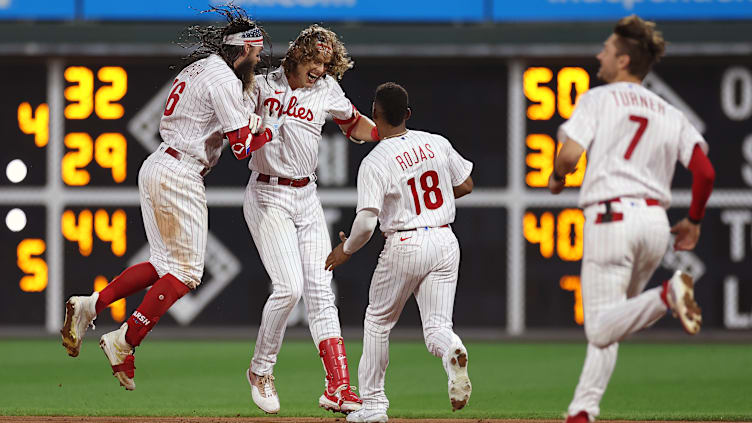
[132,280]
[157,301]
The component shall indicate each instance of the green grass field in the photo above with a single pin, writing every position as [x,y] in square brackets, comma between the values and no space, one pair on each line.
[510,380]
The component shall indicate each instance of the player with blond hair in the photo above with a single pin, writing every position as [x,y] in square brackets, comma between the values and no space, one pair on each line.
[284,214]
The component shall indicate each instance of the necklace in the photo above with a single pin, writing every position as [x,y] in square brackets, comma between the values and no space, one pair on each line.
[395,135]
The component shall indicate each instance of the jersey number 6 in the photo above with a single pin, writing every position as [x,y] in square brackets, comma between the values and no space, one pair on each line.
[427,188]
[172,100]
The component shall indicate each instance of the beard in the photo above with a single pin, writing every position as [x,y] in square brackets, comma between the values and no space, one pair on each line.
[245,71]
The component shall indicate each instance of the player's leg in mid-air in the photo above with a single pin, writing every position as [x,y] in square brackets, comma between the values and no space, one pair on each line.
[619,259]
[81,310]
[177,249]
[435,298]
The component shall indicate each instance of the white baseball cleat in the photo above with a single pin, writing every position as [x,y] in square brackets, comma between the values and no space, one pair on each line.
[455,364]
[263,392]
[681,300]
[368,415]
[343,400]
[80,312]
[120,355]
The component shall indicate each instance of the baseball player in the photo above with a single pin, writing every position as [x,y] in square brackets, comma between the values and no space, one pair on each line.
[206,104]
[284,214]
[633,139]
[408,182]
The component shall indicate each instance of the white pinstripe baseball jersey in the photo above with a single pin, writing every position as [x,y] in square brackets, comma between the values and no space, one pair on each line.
[410,180]
[206,101]
[294,154]
[633,139]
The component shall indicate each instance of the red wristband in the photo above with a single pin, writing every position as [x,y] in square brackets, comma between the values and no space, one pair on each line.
[350,129]
[355,115]
[375,133]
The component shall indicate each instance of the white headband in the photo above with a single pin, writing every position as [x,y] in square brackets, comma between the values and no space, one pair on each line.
[253,37]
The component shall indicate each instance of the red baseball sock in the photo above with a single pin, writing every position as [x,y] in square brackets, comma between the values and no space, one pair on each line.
[664,291]
[132,280]
[157,301]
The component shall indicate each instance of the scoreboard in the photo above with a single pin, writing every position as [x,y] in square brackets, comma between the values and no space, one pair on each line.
[76,130]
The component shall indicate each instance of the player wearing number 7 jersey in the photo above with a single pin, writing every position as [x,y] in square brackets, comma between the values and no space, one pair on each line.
[206,104]
[409,182]
[633,140]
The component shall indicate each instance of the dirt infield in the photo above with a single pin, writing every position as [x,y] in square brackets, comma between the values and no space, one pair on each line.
[85,419]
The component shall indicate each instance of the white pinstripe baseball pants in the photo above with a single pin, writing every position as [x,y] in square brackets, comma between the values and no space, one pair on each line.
[618,260]
[288,227]
[176,218]
[423,263]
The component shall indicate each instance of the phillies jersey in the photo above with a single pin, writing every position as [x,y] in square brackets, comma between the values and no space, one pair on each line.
[294,154]
[633,140]
[205,102]
[409,179]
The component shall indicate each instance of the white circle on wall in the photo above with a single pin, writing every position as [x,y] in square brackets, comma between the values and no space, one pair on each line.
[15,220]
[16,171]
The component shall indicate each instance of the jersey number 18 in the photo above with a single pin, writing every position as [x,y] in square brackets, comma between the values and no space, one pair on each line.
[429,183]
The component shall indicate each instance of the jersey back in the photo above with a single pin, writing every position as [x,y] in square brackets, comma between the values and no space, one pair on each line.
[633,140]
[409,179]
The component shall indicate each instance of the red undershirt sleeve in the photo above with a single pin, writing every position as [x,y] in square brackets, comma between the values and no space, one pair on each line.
[703,176]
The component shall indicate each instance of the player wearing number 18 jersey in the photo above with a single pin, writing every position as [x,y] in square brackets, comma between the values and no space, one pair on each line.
[206,103]
[633,140]
[409,182]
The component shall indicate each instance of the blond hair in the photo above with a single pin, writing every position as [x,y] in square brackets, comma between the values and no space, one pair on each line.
[305,49]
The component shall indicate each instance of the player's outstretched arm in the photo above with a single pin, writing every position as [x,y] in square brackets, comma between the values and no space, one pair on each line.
[361,231]
[564,163]
[358,128]
[464,188]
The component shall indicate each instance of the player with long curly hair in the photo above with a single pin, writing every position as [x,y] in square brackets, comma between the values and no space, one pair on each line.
[207,102]
[284,214]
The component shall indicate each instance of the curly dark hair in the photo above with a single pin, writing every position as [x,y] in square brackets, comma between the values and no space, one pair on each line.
[206,40]
[304,49]
[641,42]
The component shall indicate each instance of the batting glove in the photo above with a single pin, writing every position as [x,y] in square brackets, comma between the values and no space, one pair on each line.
[273,121]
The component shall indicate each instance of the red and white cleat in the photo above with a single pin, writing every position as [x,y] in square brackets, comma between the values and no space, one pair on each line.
[343,400]
[120,355]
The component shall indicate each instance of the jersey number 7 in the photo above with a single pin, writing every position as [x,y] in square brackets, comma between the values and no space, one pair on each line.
[428,188]
[643,122]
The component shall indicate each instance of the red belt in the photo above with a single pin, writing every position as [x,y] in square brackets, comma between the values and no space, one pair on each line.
[611,216]
[179,156]
[297,183]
